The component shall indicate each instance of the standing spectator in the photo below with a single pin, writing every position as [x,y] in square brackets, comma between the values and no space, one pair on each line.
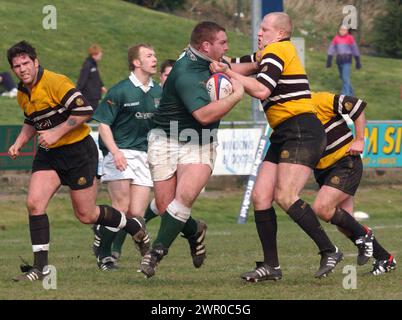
[8,83]
[90,82]
[344,46]
[166,67]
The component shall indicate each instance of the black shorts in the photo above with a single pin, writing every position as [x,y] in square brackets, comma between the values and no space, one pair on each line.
[345,174]
[76,164]
[300,139]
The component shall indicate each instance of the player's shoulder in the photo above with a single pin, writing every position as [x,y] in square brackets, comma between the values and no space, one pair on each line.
[54,76]
[121,87]
[322,96]
[283,49]
[56,81]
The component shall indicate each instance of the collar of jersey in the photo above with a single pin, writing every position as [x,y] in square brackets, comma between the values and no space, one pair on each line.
[138,83]
[199,54]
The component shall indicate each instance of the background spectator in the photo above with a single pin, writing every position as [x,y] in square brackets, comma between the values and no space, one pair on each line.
[90,82]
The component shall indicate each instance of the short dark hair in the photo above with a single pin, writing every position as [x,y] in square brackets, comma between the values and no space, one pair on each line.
[20,48]
[205,31]
[167,63]
[134,53]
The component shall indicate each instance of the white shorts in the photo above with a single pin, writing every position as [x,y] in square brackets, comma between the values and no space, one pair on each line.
[137,168]
[164,154]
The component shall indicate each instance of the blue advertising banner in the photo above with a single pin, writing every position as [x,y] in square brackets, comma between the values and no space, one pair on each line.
[383,144]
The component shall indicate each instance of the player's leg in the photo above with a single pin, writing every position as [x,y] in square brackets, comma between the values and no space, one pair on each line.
[291,180]
[42,186]
[326,207]
[139,199]
[82,160]
[191,179]
[266,225]
[338,184]
[384,261]
[119,192]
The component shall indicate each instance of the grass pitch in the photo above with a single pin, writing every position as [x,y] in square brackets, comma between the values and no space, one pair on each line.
[231,250]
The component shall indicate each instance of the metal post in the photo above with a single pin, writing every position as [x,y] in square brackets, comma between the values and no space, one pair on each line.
[257,115]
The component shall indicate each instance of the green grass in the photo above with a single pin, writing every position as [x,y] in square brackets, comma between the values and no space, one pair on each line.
[116,25]
[232,249]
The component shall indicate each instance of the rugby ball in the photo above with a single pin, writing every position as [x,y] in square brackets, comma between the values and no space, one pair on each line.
[219,86]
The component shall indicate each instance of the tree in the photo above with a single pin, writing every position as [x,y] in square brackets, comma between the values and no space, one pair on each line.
[388,30]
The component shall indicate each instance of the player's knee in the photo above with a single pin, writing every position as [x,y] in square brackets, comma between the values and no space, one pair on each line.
[261,199]
[161,205]
[33,206]
[323,211]
[85,217]
[284,199]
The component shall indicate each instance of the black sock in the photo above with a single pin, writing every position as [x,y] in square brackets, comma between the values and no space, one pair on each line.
[343,219]
[379,252]
[110,217]
[305,217]
[40,237]
[265,222]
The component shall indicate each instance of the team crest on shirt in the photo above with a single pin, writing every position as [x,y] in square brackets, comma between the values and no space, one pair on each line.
[156,102]
[335,180]
[348,106]
[79,102]
[81,181]
[285,154]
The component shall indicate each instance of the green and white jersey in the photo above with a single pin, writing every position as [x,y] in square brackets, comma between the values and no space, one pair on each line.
[128,108]
[183,93]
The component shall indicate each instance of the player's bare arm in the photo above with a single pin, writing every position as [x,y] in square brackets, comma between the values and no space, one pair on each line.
[215,110]
[27,132]
[107,138]
[357,145]
[49,137]
[252,86]
[245,69]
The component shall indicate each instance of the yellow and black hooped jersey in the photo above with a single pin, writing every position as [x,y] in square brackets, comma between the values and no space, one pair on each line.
[283,73]
[329,108]
[51,101]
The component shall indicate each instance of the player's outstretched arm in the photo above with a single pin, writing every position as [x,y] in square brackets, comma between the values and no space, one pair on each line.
[27,132]
[252,86]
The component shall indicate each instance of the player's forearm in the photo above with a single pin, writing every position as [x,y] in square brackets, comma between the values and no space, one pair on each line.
[216,110]
[252,86]
[360,124]
[107,138]
[70,124]
[26,134]
[245,69]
